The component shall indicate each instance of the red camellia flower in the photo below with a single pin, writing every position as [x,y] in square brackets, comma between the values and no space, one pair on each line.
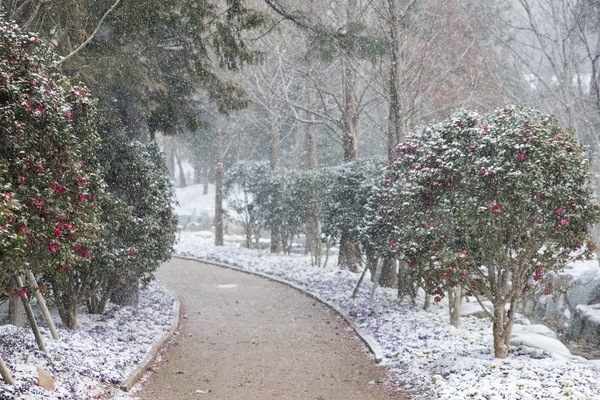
[563,221]
[37,203]
[22,291]
[52,247]
[68,225]
[21,179]
[437,299]
[463,255]
[81,251]
[130,250]
[81,197]
[392,246]
[58,189]
[23,229]
[482,170]
[496,207]
[559,211]
[522,157]
[485,128]
[57,232]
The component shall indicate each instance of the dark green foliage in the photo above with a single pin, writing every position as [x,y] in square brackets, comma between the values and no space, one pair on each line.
[150,58]
[345,199]
[285,199]
[138,215]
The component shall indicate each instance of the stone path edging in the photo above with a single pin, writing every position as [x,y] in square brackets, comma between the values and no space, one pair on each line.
[143,366]
[368,340]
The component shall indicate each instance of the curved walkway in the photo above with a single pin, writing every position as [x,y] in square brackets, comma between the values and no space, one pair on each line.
[245,337]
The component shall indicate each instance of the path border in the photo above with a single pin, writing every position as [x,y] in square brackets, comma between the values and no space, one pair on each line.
[367,339]
[143,366]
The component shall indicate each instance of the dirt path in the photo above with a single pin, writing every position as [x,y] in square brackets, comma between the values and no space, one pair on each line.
[244,337]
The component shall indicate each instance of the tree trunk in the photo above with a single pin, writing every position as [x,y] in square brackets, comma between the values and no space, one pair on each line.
[127,293]
[180,166]
[16,312]
[67,309]
[275,240]
[310,138]
[405,286]
[502,328]
[349,255]
[454,303]
[350,114]
[389,275]
[395,116]
[219,187]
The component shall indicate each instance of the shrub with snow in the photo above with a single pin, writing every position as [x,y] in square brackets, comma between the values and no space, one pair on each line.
[490,204]
[47,142]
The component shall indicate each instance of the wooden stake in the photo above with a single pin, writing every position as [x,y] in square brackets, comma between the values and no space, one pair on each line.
[359,282]
[6,376]
[31,317]
[42,303]
[376,281]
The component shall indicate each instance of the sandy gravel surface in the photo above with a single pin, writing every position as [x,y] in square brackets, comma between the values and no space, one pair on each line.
[244,337]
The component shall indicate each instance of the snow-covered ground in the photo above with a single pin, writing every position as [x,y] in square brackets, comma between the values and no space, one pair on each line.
[92,361]
[423,352]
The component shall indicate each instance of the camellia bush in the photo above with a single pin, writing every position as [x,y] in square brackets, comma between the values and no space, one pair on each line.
[490,204]
[12,243]
[47,142]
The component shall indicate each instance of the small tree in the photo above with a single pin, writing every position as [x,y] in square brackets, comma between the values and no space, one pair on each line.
[47,141]
[492,205]
[138,215]
[344,209]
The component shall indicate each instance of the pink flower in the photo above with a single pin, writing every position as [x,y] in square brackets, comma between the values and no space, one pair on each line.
[482,170]
[463,255]
[52,247]
[392,246]
[81,251]
[81,180]
[33,82]
[57,232]
[68,225]
[559,211]
[40,169]
[23,229]
[33,40]
[21,179]
[81,165]
[496,207]
[130,250]
[528,200]
[58,189]
[22,291]
[68,114]
[81,197]
[485,128]
[3,229]
[522,157]
[37,203]
[437,299]
[563,221]
[430,224]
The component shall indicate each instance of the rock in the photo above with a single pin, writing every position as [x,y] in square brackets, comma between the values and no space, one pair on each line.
[45,380]
[540,342]
[536,328]
[586,324]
